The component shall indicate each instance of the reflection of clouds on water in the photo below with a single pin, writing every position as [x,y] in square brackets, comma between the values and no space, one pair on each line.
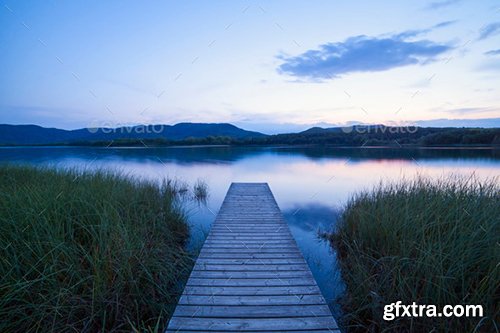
[312,217]
[305,221]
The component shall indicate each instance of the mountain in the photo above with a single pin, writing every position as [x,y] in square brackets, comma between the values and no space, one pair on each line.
[345,129]
[209,134]
[36,135]
[381,135]
[318,130]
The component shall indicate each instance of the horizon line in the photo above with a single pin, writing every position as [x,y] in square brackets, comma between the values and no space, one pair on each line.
[243,125]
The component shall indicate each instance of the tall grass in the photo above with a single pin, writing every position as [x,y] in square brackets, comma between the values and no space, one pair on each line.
[88,252]
[200,191]
[430,242]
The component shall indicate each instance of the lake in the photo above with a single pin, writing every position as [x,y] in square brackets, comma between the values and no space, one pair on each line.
[310,184]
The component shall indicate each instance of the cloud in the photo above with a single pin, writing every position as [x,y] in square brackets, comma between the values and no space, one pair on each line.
[473,110]
[484,122]
[417,32]
[493,52]
[489,66]
[445,24]
[361,54]
[489,30]
[441,4]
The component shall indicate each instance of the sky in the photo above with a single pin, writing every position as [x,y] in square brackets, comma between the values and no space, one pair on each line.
[268,66]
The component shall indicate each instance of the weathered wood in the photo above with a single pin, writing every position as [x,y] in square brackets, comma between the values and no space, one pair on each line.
[251,300]
[244,324]
[262,311]
[247,240]
[248,255]
[251,282]
[252,291]
[250,275]
[246,244]
[259,331]
[249,262]
[244,267]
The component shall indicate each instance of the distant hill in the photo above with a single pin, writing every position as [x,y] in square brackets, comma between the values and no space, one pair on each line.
[319,130]
[227,134]
[37,135]
[381,135]
[346,129]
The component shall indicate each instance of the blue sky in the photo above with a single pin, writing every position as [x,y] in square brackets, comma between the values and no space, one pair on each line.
[269,66]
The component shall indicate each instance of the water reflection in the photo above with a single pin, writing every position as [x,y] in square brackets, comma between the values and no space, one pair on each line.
[306,222]
[223,154]
[309,183]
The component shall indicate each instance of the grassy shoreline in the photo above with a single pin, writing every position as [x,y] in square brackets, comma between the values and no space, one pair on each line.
[429,242]
[88,251]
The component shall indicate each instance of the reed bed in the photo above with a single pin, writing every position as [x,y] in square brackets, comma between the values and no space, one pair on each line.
[424,241]
[88,251]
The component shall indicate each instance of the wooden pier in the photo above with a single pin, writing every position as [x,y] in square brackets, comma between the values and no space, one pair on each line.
[250,275]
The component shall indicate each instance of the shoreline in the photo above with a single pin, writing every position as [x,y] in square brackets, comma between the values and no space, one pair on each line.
[318,145]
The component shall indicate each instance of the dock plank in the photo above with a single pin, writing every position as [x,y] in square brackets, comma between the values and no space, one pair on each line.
[250,275]
[252,291]
[242,311]
[258,324]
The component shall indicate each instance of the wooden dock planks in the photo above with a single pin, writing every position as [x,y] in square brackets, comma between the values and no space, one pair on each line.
[250,275]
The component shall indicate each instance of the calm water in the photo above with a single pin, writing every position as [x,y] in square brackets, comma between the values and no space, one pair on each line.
[310,184]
